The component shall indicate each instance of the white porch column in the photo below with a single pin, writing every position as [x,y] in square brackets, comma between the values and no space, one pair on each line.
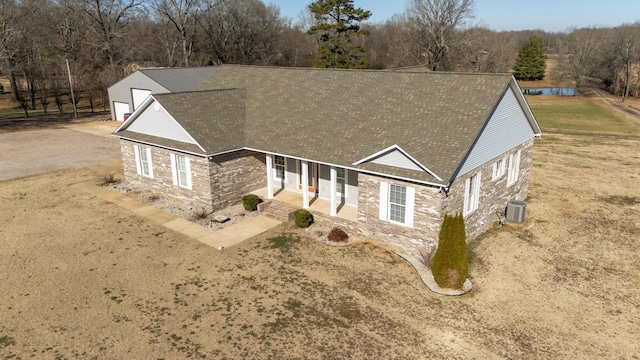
[304,167]
[334,180]
[269,176]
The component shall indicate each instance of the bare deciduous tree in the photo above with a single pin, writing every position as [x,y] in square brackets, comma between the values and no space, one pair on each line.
[580,55]
[109,19]
[242,31]
[182,15]
[435,23]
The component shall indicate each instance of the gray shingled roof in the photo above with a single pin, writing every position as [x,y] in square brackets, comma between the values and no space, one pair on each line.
[215,119]
[341,116]
[180,79]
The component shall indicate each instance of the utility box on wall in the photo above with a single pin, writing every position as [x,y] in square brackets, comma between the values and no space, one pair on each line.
[516,210]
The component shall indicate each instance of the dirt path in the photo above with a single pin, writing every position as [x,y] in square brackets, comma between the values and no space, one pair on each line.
[631,113]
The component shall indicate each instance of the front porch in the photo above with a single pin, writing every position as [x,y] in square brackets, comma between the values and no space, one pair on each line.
[316,204]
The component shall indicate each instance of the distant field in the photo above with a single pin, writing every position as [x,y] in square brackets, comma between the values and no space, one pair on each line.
[578,115]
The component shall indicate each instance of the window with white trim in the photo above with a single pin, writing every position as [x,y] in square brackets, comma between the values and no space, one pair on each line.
[396,204]
[341,180]
[514,168]
[144,165]
[471,193]
[278,166]
[181,171]
[499,168]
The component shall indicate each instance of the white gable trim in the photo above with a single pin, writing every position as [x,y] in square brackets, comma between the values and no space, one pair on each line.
[406,154]
[157,105]
[134,114]
[525,107]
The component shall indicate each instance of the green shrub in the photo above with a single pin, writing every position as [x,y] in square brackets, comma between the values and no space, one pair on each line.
[337,235]
[302,218]
[250,202]
[450,264]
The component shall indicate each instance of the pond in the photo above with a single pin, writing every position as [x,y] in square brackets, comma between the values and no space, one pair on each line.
[551,91]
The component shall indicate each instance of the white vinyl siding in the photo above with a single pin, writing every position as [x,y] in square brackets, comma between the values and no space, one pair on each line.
[471,193]
[144,164]
[396,204]
[514,168]
[499,168]
[181,171]
[507,129]
[159,123]
[278,167]
[397,159]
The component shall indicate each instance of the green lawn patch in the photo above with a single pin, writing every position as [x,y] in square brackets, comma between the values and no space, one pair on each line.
[578,115]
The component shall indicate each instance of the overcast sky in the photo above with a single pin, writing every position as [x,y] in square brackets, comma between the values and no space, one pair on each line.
[548,15]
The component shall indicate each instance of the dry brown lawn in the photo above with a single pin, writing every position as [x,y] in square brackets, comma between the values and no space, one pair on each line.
[83,278]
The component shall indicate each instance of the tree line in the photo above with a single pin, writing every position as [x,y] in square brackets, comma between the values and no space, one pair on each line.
[105,40]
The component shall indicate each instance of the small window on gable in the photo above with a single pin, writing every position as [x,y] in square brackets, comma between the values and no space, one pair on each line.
[514,168]
[499,168]
[279,168]
[471,193]
[144,165]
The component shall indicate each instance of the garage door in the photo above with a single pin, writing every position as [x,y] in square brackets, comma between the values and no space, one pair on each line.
[120,108]
[139,96]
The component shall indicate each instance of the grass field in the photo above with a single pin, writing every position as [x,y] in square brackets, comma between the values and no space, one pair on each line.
[579,115]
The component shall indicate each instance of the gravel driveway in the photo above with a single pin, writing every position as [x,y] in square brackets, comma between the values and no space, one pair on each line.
[26,153]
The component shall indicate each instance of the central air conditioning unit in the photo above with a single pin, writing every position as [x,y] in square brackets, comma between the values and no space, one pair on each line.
[516,210]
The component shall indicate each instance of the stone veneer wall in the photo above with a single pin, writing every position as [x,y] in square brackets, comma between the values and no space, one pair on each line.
[234,175]
[427,215]
[162,182]
[494,194]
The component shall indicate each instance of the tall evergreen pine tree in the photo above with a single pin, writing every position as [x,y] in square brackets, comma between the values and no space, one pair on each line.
[336,22]
[532,60]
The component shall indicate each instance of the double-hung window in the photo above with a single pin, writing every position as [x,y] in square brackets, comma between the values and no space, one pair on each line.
[278,164]
[514,168]
[181,170]
[144,165]
[397,203]
[341,181]
[498,169]
[471,193]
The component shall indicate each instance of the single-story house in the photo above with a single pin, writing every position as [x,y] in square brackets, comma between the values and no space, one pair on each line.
[128,94]
[384,153]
